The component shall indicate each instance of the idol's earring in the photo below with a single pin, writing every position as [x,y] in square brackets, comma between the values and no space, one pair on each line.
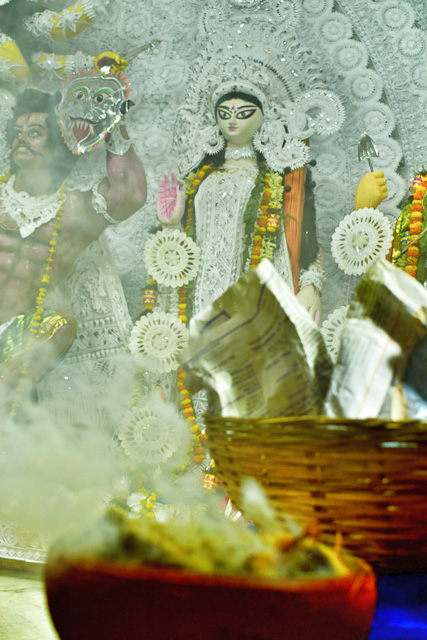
[213,140]
[262,137]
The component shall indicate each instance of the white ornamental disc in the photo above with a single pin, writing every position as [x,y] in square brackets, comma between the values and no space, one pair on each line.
[156,340]
[172,258]
[332,329]
[154,434]
[362,237]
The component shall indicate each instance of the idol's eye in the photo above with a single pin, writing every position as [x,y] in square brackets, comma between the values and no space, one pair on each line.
[34,133]
[80,95]
[246,113]
[224,115]
[99,97]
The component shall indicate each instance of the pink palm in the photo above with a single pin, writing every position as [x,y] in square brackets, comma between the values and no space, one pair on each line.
[170,200]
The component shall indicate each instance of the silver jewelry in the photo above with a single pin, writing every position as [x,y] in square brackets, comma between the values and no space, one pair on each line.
[30,212]
[99,205]
[314,275]
[118,144]
[236,154]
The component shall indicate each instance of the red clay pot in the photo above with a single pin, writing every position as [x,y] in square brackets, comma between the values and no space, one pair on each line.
[100,601]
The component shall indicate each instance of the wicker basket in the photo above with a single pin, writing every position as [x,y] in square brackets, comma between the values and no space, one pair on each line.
[366,479]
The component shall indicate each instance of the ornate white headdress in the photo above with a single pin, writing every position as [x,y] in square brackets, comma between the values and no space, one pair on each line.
[293,111]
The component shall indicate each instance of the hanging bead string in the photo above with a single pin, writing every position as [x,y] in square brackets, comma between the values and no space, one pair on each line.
[38,315]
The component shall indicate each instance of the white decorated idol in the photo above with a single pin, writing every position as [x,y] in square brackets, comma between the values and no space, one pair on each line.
[243,194]
[242,138]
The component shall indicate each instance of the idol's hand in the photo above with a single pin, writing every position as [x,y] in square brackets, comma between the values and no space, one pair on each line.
[110,59]
[371,190]
[310,299]
[170,200]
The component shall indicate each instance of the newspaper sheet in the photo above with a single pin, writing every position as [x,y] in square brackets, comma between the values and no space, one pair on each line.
[258,351]
[386,320]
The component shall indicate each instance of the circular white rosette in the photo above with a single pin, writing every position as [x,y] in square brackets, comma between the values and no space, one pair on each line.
[172,258]
[362,237]
[155,434]
[156,340]
[332,329]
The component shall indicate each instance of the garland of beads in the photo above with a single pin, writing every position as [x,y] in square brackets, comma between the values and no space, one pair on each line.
[37,316]
[411,239]
[263,245]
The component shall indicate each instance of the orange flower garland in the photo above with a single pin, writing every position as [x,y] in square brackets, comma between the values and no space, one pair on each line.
[415,225]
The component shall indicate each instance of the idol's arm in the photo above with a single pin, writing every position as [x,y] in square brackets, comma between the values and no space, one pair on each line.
[125,189]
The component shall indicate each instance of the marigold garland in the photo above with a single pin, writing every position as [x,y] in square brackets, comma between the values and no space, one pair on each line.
[264,212]
[410,226]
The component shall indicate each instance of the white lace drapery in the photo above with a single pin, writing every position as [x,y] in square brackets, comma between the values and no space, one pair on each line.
[220,205]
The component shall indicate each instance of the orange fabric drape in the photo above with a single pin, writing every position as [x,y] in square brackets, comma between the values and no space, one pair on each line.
[293,212]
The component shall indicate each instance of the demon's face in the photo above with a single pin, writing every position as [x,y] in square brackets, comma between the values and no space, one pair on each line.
[90,107]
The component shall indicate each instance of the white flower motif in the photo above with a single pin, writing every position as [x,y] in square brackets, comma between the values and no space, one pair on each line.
[317,7]
[40,24]
[50,65]
[362,237]
[396,15]
[70,19]
[365,85]
[378,120]
[412,44]
[336,28]
[156,340]
[350,54]
[155,434]
[5,68]
[172,258]
[332,329]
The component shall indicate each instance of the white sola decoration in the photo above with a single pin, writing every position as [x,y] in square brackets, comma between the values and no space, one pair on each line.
[171,258]
[270,76]
[154,434]
[362,237]
[332,329]
[156,340]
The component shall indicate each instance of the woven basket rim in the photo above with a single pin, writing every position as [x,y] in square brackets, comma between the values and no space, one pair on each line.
[320,420]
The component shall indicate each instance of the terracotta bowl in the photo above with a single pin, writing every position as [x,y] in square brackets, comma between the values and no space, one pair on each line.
[100,601]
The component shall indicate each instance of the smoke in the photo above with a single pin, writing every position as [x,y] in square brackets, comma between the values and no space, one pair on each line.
[55,475]
[59,470]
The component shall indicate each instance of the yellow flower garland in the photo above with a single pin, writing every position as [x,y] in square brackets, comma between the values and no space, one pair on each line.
[44,282]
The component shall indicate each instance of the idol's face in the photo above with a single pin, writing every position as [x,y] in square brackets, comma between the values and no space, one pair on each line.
[238,121]
[89,110]
[30,141]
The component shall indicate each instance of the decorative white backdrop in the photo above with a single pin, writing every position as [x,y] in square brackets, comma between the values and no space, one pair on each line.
[372,54]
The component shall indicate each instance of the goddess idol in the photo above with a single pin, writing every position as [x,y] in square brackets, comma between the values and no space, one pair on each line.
[243,141]
[244,195]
